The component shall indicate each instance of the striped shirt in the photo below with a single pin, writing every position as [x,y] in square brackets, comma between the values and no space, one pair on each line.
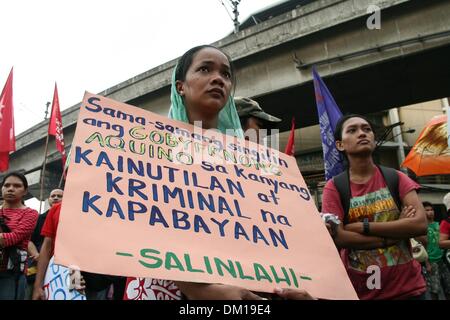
[21,222]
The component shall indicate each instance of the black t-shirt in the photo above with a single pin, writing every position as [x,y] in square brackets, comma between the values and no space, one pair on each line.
[36,237]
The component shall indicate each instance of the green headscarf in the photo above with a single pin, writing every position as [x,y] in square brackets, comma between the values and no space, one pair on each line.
[228,117]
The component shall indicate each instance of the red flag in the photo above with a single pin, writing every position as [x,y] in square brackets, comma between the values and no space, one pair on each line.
[290,148]
[55,127]
[7,136]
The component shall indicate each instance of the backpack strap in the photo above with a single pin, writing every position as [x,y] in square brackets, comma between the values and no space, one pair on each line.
[391,177]
[342,184]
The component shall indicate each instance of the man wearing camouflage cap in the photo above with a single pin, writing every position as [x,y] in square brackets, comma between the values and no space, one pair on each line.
[253,118]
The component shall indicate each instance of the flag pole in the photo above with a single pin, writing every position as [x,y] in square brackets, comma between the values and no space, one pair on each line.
[62,176]
[41,194]
[66,167]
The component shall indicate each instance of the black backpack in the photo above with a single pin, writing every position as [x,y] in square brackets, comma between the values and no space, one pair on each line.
[342,184]
[9,253]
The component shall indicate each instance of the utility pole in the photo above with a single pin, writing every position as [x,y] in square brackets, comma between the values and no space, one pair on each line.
[236,14]
[398,137]
[46,110]
[41,193]
[234,4]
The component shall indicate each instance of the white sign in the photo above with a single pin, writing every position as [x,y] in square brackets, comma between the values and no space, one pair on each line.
[57,284]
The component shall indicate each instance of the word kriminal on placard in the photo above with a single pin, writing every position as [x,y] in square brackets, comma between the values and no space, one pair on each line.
[155,172]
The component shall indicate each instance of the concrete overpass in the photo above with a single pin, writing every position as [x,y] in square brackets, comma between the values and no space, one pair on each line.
[404,62]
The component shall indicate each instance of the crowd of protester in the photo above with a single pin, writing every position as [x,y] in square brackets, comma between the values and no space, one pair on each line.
[399,236]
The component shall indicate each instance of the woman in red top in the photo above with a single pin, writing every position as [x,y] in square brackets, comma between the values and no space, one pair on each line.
[375,238]
[17,224]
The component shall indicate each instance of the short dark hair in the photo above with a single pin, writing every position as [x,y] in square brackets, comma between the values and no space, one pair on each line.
[427,204]
[243,121]
[269,126]
[343,119]
[186,60]
[18,175]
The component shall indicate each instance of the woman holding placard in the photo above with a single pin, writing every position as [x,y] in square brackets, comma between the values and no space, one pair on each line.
[201,94]
[202,83]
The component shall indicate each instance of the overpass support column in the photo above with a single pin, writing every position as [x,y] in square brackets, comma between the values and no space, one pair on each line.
[398,136]
[445,104]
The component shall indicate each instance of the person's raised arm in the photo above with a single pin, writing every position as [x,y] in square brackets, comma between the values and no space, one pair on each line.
[44,259]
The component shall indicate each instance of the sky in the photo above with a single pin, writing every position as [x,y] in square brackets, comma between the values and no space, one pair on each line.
[93,45]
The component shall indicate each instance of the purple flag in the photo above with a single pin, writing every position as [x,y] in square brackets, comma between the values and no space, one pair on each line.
[329,115]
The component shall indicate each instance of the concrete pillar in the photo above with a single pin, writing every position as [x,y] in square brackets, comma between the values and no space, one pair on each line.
[398,136]
[446,110]
[445,105]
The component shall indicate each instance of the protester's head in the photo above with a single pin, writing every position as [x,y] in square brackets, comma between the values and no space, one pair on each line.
[446,201]
[253,118]
[354,135]
[429,211]
[56,196]
[201,89]
[14,188]
[204,79]
[186,60]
